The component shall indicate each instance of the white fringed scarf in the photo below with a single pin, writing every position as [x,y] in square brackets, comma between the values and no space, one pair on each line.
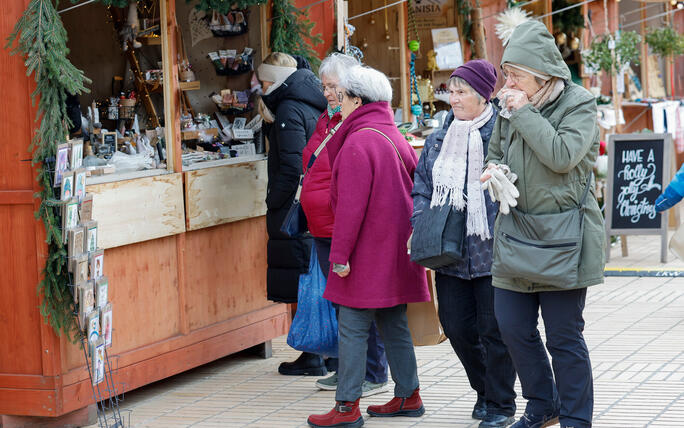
[463,147]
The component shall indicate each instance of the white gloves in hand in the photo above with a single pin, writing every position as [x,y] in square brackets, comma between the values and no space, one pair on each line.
[499,179]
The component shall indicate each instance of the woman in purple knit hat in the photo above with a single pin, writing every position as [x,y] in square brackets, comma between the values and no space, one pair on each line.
[448,173]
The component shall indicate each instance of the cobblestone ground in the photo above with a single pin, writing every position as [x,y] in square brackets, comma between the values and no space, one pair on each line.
[634,330]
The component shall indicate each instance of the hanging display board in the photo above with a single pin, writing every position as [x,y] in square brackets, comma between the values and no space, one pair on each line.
[639,168]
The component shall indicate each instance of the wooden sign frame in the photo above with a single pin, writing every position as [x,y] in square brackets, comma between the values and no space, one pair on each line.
[664,174]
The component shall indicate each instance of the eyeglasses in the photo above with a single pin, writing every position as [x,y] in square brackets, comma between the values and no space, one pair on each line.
[515,77]
[330,88]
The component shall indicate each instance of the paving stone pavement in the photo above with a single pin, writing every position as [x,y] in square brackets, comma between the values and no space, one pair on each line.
[634,330]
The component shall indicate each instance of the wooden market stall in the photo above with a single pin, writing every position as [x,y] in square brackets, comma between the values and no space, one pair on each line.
[185,251]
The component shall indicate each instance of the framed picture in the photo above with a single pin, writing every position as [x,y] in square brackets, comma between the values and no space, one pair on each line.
[93,323]
[239,123]
[86,210]
[106,323]
[67,186]
[69,218]
[109,140]
[76,158]
[76,242]
[86,302]
[61,163]
[96,264]
[98,361]
[91,243]
[101,290]
[80,183]
[80,268]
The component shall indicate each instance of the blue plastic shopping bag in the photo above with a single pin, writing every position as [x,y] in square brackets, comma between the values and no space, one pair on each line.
[314,328]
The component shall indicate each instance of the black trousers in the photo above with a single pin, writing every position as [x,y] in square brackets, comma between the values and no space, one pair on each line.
[572,390]
[466,311]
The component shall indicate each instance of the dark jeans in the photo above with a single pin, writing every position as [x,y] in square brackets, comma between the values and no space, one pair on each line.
[517,314]
[376,360]
[466,311]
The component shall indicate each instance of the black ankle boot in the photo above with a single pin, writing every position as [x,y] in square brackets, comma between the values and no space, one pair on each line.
[307,364]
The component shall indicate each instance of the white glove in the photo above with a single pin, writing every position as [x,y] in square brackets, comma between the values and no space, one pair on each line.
[500,186]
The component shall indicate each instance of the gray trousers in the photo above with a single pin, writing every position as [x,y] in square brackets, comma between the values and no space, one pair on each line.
[353,324]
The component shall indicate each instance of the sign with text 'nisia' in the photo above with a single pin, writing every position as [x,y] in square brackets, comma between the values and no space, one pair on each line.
[639,167]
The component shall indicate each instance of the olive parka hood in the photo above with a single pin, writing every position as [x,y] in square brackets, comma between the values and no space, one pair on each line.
[552,149]
[533,46]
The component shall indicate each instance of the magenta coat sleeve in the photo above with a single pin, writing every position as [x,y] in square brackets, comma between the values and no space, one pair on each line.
[352,181]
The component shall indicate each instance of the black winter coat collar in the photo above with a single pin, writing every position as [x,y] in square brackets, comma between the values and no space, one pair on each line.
[302,86]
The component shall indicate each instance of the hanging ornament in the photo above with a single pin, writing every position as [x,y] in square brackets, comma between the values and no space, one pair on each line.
[414,45]
[349,48]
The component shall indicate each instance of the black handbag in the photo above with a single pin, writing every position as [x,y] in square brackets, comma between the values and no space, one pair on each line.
[438,237]
[295,224]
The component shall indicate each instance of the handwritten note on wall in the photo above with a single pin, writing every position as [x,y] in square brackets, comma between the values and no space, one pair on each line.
[637,182]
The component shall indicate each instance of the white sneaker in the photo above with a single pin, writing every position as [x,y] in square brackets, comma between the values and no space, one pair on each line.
[370,388]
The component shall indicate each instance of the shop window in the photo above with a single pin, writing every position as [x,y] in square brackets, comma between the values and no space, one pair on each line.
[217,54]
[123,125]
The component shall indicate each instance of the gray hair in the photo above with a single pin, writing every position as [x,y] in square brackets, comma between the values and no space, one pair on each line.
[336,65]
[367,83]
[458,81]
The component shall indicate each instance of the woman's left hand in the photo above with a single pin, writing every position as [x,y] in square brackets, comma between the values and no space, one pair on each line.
[515,99]
[345,272]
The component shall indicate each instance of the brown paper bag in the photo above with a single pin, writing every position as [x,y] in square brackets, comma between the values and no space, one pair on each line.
[423,320]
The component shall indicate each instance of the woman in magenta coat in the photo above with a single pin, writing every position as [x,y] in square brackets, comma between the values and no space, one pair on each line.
[373,278]
[315,199]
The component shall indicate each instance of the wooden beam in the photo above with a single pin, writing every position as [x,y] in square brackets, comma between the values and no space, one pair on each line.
[339,7]
[171,86]
[265,29]
[478,34]
[644,55]
[404,63]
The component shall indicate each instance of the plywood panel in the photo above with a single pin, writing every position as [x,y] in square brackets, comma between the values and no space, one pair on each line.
[16,114]
[143,289]
[19,316]
[138,210]
[224,194]
[225,271]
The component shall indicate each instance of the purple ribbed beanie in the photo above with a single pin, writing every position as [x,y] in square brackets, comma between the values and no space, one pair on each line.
[480,75]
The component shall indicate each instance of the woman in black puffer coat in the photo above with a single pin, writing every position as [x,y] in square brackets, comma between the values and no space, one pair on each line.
[293,101]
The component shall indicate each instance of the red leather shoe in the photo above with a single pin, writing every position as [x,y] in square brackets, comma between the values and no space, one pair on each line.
[412,406]
[344,414]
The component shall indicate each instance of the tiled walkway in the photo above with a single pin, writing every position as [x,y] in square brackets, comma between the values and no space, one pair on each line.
[635,332]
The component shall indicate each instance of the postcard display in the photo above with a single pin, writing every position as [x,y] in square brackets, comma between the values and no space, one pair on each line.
[89,285]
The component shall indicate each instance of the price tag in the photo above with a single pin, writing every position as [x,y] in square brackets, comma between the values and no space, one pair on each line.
[243,134]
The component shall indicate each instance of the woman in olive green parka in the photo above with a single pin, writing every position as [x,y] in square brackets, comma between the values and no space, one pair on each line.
[548,136]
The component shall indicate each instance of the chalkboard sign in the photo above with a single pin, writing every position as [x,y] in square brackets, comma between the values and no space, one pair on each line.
[639,168]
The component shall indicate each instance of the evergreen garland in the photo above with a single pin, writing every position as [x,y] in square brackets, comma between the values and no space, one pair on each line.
[225,6]
[115,3]
[289,30]
[40,39]
[464,9]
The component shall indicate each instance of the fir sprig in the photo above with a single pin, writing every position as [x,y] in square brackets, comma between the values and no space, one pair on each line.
[290,30]
[40,38]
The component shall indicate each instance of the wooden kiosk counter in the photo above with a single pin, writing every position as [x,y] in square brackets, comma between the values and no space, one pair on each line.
[185,256]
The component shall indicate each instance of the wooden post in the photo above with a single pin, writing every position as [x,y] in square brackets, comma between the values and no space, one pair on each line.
[265,30]
[478,34]
[339,6]
[644,55]
[404,61]
[171,87]
[548,20]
